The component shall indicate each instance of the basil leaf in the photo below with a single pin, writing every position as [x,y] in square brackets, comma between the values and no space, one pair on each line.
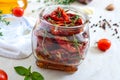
[29,69]
[28,74]
[37,76]
[27,78]
[22,71]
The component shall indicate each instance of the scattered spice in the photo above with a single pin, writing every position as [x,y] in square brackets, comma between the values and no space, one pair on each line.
[100,17]
[113,34]
[33,11]
[116,31]
[108,23]
[110,20]
[99,21]
[91,27]
[94,31]
[118,37]
[115,24]
[96,25]
[105,24]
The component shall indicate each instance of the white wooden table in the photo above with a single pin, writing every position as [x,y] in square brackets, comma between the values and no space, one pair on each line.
[96,66]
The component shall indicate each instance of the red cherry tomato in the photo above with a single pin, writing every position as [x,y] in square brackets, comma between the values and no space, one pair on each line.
[18,11]
[104,44]
[3,75]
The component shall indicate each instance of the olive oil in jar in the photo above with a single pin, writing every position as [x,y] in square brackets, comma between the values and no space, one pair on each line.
[6,6]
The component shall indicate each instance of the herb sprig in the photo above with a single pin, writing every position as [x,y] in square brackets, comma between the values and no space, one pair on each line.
[77,44]
[4,21]
[1,34]
[61,1]
[28,75]
[65,1]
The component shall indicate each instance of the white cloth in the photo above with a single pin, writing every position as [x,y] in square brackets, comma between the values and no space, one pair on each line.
[16,47]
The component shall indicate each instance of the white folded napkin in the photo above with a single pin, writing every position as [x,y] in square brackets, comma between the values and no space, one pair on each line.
[16,46]
[21,50]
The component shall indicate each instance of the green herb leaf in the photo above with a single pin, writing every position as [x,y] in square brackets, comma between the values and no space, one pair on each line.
[33,11]
[65,1]
[29,69]
[49,19]
[7,22]
[38,0]
[60,1]
[3,20]
[1,34]
[28,74]
[37,76]
[27,78]
[22,71]
[76,42]
[59,14]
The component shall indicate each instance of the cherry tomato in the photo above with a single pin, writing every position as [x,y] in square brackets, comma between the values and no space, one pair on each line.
[18,11]
[3,75]
[104,44]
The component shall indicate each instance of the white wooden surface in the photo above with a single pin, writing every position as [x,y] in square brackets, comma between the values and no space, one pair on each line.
[96,66]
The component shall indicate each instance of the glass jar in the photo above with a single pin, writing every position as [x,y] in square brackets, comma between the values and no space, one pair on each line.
[60,47]
[6,6]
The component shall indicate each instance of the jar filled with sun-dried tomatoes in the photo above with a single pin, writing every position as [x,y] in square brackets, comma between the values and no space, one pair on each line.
[60,38]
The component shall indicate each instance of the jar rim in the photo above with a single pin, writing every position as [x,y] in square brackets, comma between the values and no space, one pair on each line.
[70,8]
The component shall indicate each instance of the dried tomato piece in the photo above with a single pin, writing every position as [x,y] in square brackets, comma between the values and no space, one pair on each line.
[59,14]
[70,15]
[65,32]
[66,44]
[79,22]
[55,17]
[62,18]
